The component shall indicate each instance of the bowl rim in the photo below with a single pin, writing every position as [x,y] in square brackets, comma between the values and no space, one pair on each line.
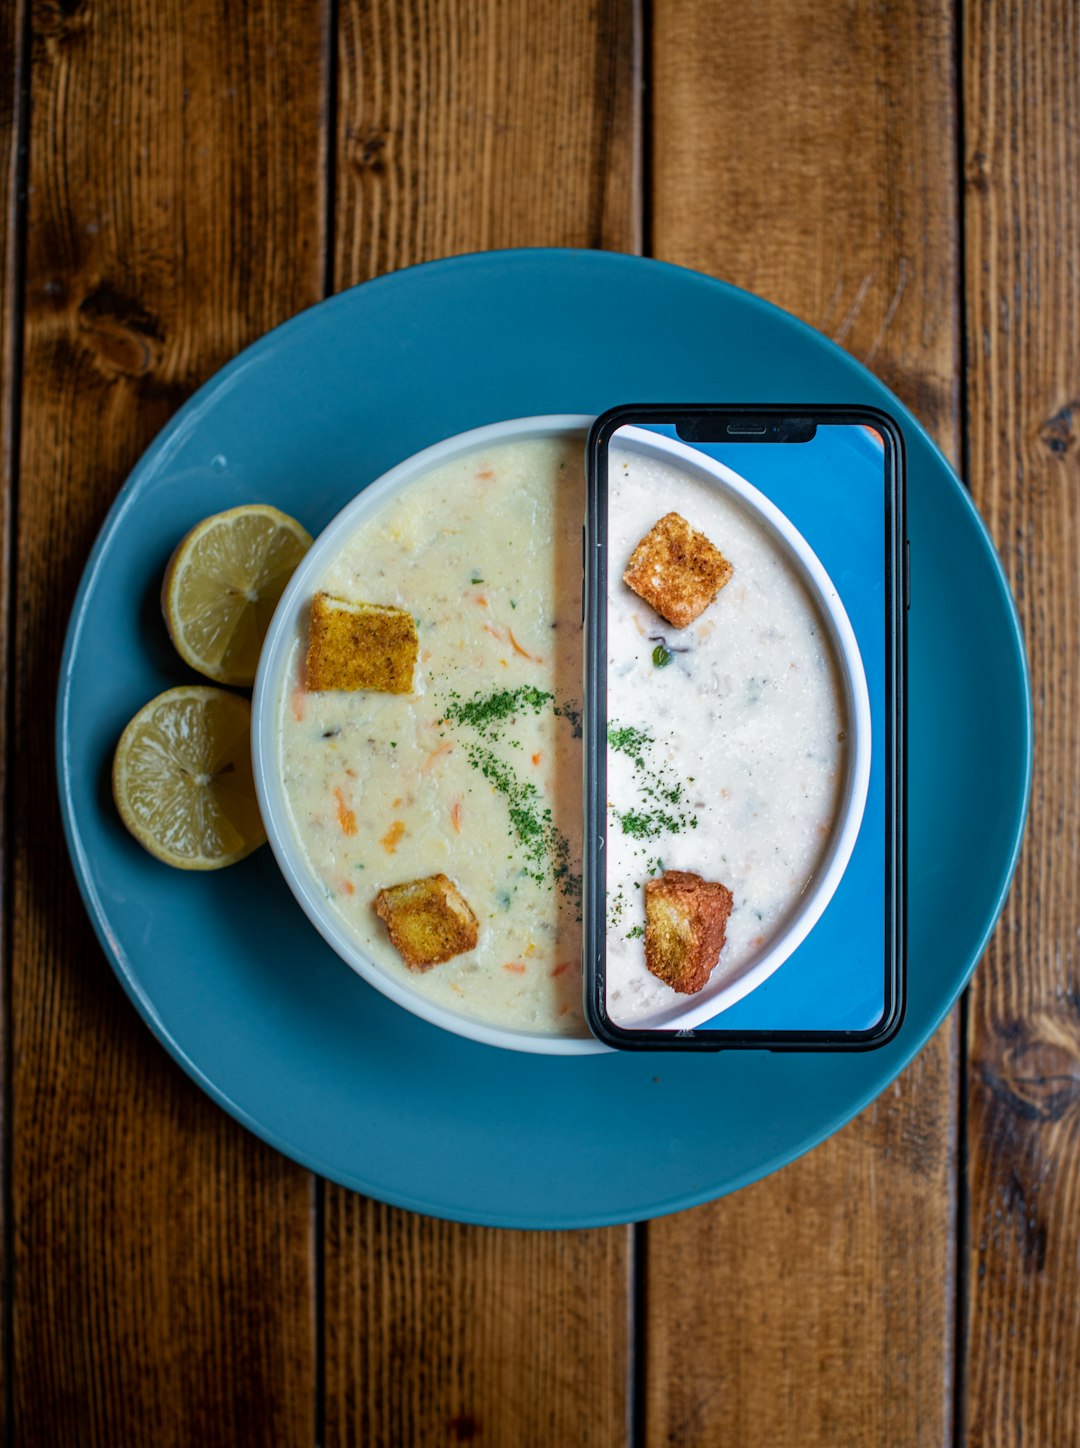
[269,680]
[851,804]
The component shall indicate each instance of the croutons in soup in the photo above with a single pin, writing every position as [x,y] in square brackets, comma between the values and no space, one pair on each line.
[726,749]
[444,823]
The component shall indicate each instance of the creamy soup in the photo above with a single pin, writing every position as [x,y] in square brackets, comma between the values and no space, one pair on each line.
[726,738]
[477,773]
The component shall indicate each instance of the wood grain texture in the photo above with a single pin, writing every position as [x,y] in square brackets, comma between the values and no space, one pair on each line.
[163,1256]
[12,200]
[443,1334]
[818,169]
[1021,67]
[466,125]
[816,1307]
[463,125]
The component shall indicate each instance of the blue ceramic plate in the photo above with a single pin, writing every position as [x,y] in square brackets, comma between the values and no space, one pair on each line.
[226,970]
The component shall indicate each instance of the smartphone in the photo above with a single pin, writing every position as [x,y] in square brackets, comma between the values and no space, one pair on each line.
[745,598]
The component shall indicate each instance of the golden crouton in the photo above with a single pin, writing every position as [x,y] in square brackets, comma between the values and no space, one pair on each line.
[428,921]
[676,570]
[685,923]
[360,646]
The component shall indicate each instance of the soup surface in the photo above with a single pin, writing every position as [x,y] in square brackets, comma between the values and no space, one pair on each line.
[726,744]
[477,773]
[726,749]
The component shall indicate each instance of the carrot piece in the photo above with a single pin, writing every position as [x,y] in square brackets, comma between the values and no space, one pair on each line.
[390,840]
[534,658]
[562,967]
[514,967]
[348,887]
[455,816]
[436,753]
[536,758]
[506,635]
[298,697]
[485,475]
[480,601]
[346,817]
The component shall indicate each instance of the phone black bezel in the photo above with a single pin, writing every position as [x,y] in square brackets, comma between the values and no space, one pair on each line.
[595,730]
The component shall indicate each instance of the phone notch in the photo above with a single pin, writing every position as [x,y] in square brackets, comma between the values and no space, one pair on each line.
[746,428]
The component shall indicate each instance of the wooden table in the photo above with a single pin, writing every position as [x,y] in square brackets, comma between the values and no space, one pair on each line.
[180,176]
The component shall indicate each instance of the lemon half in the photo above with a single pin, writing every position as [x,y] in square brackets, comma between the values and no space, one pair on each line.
[182,778]
[222,585]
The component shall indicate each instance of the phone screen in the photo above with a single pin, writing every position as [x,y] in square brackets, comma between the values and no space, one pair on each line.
[744,588]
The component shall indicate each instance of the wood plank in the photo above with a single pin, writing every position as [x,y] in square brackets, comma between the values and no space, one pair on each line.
[12,143]
[164,1287]
[465,125]
[817,168]
[441,1333]
[1021,69]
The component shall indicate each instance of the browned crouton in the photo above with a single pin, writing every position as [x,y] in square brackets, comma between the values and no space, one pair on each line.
[676,570]
[685,923]
[360,646]
[428,921]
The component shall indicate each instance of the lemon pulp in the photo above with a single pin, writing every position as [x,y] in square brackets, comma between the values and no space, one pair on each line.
[182,778]
[223,583]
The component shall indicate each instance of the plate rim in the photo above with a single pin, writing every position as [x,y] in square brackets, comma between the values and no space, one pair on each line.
[157,453]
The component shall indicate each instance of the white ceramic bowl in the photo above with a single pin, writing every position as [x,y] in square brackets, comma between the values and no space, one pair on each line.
[717,996]
[291,614]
